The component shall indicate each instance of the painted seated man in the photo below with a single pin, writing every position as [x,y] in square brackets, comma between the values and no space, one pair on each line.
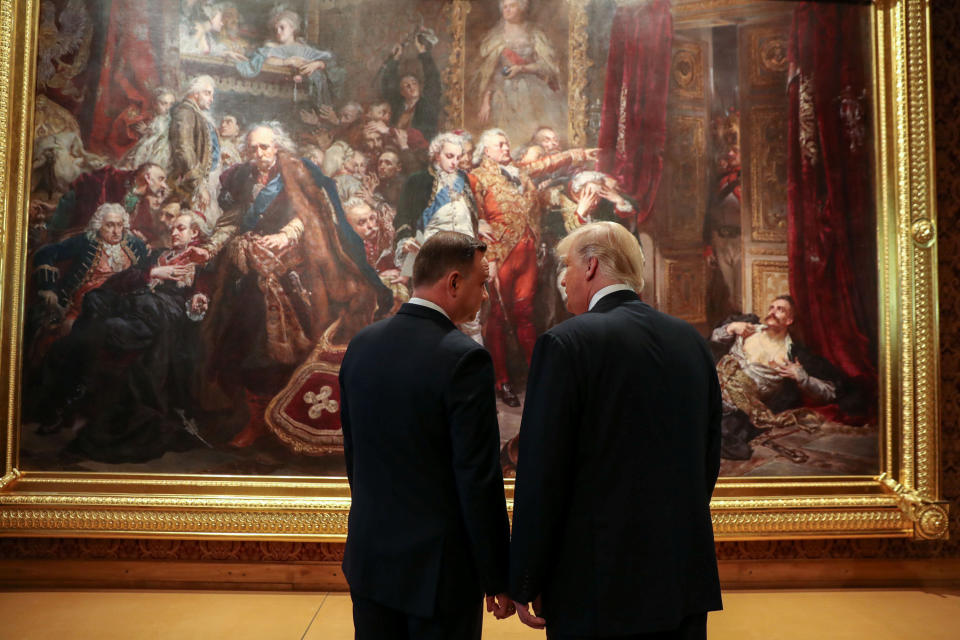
[126,368]
[66,271]
[768,378]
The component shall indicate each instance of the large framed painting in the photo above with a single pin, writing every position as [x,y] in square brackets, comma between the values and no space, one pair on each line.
[203,202]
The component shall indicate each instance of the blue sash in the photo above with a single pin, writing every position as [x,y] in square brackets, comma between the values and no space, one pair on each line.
[263,200]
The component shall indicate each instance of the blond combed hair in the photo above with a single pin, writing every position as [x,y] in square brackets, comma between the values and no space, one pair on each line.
[618,252]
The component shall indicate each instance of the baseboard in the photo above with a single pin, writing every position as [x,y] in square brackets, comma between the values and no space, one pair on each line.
[327,576]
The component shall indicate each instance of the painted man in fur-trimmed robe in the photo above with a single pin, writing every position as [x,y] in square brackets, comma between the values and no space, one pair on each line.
[289,267]
[510,204]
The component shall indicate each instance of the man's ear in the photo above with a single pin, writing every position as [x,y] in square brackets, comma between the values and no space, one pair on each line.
[592,266]
[453,281]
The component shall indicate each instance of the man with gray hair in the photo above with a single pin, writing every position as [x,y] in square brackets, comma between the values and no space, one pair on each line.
[438,199]
[195,149]
[620,399]
[509,202]
[290,265]
[66,271]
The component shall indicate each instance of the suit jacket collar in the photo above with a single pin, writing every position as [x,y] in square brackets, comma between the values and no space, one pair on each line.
[426,313]
[614,300]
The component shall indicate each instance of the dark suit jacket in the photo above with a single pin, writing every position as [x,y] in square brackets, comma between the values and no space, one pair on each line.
[428,523]
[619,454]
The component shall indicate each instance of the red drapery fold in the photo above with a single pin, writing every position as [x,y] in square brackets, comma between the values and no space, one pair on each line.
[831,208]
[633,127]
[128,77]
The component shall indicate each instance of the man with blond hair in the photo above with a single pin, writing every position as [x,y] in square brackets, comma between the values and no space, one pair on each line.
[619,454]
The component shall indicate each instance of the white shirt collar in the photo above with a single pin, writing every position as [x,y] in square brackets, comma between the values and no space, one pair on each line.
[606,291]
[429,305]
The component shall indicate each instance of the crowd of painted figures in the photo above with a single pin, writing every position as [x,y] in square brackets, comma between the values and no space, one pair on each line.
[176,288]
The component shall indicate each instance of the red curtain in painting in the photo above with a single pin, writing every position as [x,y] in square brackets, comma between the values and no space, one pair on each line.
[633,127]
[831,209]
[129,74]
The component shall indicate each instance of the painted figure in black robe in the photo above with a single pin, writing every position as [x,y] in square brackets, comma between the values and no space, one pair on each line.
[127,366]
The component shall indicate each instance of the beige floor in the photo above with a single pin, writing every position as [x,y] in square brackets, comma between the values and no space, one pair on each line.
[749,615]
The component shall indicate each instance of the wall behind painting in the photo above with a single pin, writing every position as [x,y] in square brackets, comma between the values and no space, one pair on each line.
[946,48]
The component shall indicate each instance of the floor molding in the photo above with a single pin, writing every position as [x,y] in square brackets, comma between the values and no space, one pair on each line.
[327,576]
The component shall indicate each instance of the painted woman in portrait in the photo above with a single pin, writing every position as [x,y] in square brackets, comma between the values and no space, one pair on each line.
[317,67]
[518,76]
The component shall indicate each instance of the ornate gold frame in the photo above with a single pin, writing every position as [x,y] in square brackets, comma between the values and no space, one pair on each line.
[903,500]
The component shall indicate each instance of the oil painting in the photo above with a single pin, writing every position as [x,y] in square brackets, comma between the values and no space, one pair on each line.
[223,193]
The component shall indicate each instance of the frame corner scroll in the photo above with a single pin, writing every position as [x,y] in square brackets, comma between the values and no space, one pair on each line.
[931,518]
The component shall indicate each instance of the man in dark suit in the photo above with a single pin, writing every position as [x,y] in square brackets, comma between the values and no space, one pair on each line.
[428,532]
[619,454]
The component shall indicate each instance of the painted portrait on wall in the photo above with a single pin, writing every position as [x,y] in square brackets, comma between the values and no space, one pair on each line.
[223,193]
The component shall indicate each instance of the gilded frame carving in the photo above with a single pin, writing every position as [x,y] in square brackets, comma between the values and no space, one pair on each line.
[903,500]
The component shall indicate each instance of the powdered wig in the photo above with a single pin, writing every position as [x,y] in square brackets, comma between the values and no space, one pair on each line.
[281,139]
[444,138]
[288,16]
[199,83]
[96,221]
[355,107]
[523,4]
[159,92]
[355,201]
[335,156]
[210,11]
[197,223]
[618,252]
[485,138]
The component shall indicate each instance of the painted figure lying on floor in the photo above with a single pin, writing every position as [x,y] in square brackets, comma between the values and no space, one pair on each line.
[768,379]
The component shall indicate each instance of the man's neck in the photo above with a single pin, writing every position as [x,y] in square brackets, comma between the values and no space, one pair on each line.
[433,298]
[775,333]
[597,286]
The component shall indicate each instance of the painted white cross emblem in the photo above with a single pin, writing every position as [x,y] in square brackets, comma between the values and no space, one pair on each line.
[320,402]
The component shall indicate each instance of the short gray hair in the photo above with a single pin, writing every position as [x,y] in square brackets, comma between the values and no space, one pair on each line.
[197,223]
[441,139]
[96,221]
[355,201]
[352,106]
[484,140]
[199,83]
[281,139]
[159,92]
[618,252]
